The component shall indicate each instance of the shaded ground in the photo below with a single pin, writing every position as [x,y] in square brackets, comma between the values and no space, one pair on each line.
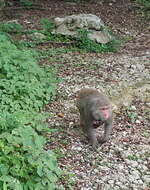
[123,163]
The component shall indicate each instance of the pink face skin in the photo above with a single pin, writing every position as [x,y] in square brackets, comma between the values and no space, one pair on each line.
[105,112]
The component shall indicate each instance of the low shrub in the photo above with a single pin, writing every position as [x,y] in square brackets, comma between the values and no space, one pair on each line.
[24,85]
[10,27]
[90,46]
[23,162]
[24,89]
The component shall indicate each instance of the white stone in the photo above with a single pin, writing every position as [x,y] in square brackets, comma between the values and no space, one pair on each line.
[111,182]
[135,174]
[146,179]
[138,121]
[92,23]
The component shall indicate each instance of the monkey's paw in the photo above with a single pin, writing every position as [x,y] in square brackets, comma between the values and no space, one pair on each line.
[101,140]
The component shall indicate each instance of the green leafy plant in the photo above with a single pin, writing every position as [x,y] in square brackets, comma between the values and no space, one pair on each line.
[46,24]
[57,37]
[23,162]
[90,46]
[24,89]
[145,3]
[21,44]
[132,157]
[26,3]
[23,84]
[132,115]
[10,27]
[145,134]
[47,27]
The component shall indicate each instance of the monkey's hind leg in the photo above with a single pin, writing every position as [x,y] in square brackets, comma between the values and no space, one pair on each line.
[82,123]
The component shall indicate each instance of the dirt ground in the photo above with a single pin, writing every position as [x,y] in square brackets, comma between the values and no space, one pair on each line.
[122,163]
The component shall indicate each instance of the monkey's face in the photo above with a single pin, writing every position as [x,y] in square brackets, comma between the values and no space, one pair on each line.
[101,113]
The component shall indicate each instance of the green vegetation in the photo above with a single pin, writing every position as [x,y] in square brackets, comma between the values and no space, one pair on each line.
[144,3]
[132,115]
[145,134]
[26,3]
[132,157]
[24,84]
[24,89]
[10,27]
[80,44]
[24,164]
[22,44]
[144,8]
[46,24]
[90,46]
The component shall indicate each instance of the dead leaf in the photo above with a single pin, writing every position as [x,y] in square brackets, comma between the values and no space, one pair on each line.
[60,115]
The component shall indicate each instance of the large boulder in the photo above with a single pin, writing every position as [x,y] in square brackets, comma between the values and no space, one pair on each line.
[93,24]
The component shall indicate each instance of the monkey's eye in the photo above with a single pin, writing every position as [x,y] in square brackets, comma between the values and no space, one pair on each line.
[104,108]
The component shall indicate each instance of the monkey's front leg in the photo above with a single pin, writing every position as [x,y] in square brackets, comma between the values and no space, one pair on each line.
[107,130]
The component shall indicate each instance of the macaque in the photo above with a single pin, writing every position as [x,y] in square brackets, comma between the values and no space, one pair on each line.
[94,106]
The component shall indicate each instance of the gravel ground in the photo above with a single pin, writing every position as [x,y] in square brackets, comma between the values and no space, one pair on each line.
[122,163]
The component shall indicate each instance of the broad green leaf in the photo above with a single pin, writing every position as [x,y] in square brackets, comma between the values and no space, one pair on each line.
[40,171]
